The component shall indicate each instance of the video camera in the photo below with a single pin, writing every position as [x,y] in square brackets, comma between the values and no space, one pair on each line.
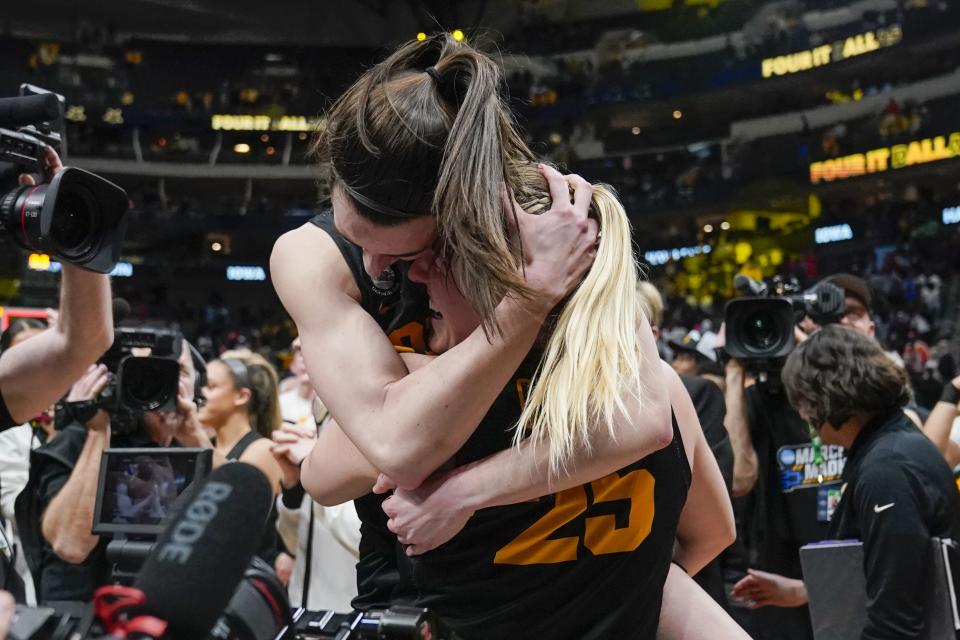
[179,549]
[759,327]
[138,491]
[78,217]
[145,376]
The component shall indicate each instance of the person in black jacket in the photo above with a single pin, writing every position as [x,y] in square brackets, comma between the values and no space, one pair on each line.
[899,491]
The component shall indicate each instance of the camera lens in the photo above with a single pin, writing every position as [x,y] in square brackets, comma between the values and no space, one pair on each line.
[20,214]
[144,388]
[760,331]
[72,227]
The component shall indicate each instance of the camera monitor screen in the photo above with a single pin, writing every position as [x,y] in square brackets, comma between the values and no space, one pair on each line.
[140,489]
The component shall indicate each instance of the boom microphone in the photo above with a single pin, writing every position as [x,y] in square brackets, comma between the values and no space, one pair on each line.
[195,567]
[16,112]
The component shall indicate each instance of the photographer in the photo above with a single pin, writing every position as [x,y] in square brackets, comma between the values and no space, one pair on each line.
[792,482]
[900,492]
[37,373]
[788,484]
[55,511]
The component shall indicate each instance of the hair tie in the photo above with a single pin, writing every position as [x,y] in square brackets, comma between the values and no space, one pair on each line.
[434,73]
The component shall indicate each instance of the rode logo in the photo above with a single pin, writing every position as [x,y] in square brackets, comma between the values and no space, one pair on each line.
[193,524]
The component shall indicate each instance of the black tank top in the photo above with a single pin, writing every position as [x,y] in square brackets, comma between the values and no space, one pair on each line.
[270,545]
[588,562]
[399,307]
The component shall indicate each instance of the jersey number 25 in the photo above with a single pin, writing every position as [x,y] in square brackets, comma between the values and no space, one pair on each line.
[600,533]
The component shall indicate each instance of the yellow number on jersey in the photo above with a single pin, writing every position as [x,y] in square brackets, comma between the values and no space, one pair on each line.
[601,535]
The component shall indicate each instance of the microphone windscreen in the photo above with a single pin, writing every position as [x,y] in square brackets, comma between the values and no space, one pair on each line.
[199,559]
[17,112]
[121,309]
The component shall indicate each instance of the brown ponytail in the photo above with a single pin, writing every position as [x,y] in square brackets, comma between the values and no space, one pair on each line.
[405,143]
[264,405]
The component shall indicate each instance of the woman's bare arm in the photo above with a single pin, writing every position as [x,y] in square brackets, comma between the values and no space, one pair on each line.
[436,511]
[408,425]
[706,523]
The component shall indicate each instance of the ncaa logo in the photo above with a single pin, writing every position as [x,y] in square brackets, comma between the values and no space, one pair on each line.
[387,282]
[788,457]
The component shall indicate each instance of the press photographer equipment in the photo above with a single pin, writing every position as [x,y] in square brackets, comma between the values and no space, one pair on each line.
[139,382]
[760,326]
[78,217]
[395,623]
[137,493]
[193,571]
[201,578]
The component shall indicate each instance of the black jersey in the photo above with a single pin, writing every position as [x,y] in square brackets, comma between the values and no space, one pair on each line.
[587,562]
[399,306]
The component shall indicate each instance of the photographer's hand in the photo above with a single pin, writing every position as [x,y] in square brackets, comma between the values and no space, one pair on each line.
[88,388]
[188,430]
[52,165]
[67,520]
[37,372]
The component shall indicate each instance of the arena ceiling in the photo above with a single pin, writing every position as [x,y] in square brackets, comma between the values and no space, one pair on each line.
[360,23]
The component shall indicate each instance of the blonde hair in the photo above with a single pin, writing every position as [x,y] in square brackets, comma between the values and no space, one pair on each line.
[264,405]
[592,359]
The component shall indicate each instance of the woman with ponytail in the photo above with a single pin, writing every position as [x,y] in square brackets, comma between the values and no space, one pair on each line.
[242,407]
[417,154]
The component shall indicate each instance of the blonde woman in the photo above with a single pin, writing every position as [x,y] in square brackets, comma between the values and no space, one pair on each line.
[242,408]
